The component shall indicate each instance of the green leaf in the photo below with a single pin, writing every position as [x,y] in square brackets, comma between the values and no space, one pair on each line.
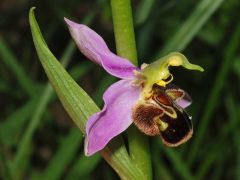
[83,167]
[62,158]
[179,165]
[143,11]
[4,168]
[78,104]
[212,100]
[10,127]
[191,26]
[8,58]
[42,100]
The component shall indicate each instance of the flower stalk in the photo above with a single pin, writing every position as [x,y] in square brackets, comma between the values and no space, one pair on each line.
[126,47]
[123,30]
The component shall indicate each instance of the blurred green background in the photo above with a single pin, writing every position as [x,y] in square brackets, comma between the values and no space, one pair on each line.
[38,139]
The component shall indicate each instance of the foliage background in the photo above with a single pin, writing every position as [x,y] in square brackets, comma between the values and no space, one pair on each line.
[207,32]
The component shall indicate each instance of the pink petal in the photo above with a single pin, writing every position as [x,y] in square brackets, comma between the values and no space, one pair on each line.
[94,47]
[185,101]
[115,117]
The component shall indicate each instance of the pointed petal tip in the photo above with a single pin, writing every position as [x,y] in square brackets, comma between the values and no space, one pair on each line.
[87,152]
[72,24]
[69,22]
[90,151]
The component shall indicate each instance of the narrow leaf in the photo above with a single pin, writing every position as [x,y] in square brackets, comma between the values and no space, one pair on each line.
[62,158]
[8,58]
[212,100]
[83,167]
[13,123]
[78,104]
[191,26]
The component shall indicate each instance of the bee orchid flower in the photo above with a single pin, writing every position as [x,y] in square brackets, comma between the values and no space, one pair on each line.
[144,96]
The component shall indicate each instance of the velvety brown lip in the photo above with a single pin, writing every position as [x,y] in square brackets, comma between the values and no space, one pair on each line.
[161,107]
[144,116]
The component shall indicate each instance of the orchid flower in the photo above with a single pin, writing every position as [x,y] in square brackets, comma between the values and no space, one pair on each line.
[144,96]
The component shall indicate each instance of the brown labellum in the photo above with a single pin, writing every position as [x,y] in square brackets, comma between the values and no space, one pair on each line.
[159,115]
[178,131]
[145,116]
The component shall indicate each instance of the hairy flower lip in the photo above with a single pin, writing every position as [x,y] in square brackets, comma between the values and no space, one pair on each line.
[144,116]
[152,117]
[121,97]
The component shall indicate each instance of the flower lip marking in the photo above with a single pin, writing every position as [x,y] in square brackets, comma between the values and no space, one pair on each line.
[132,95]
[159,115]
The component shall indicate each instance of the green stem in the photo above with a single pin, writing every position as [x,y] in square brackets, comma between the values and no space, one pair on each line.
[123,30]
[126,47]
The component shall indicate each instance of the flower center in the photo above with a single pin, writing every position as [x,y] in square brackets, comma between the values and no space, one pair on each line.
[164,82]
[158,72]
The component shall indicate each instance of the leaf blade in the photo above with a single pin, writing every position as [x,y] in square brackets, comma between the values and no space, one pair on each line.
[79,105]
